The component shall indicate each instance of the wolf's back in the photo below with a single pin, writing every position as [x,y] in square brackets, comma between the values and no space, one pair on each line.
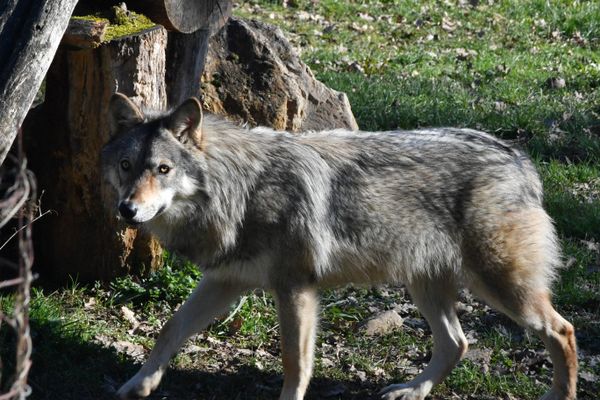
[402,201]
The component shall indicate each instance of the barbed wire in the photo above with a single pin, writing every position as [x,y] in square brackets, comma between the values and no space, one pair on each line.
[17,185]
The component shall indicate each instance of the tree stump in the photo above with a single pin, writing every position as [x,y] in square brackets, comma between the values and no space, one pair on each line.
[84,238]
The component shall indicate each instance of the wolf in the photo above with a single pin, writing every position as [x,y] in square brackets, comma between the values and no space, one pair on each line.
[433,209]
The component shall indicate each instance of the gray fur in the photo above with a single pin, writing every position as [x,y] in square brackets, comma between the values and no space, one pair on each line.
[259,208]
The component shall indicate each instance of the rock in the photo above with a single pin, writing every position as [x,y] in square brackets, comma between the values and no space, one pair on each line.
[327,362]
[588,376]
[252,74]
[133,350]
[555,82]
[405,308]
[481,357]
[416,323]
[462,308]
[192,349]
[383,323]
[361,375]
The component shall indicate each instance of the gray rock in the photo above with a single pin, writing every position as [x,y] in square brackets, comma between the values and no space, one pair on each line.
[383,323]
[252,74]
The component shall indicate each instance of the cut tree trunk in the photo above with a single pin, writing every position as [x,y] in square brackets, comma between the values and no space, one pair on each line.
[185,16]
[30,32]
[84,238]
[186,54]
[188,42]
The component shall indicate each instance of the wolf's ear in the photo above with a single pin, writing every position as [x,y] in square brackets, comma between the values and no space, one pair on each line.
[186,122]
[123,114]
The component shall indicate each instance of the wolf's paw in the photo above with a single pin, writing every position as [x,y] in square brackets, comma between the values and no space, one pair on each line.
[402,392]
[138,387]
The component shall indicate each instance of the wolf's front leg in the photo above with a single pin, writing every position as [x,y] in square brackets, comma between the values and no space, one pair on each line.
[211,298]
[297,309]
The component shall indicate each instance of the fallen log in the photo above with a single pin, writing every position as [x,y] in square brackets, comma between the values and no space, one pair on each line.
[185,16]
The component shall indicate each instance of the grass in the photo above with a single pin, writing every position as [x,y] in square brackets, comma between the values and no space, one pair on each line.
[572,197]
[404,64]
[443,63]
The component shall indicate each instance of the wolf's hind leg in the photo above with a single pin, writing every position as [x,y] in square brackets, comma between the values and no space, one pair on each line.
[435,299]
[297,309]
[512,270]
[533,310]
[559,337]
[210,299]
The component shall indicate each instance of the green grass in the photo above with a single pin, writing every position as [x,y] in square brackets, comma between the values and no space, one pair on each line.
[423,63]
[433,63]
[573,198]
[173,282]
[64,355]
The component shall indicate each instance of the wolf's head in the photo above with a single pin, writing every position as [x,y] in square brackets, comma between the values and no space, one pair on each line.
[154,163]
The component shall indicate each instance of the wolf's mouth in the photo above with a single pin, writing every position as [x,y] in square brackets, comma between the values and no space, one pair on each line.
[132,223]
[136,224]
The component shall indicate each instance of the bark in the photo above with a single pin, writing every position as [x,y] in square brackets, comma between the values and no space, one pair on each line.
[84,238]
[30,32]
[186,54]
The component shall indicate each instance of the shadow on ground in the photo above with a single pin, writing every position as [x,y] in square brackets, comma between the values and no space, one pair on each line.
[67,367]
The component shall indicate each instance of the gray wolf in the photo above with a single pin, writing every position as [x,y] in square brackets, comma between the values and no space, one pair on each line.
[435,209]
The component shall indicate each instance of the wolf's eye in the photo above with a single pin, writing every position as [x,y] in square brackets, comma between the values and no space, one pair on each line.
[164,169]
[125,165]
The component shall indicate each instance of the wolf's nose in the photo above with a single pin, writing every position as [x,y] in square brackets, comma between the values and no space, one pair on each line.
[127,209]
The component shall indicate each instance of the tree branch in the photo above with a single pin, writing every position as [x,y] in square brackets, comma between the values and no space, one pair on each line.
[30,31]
